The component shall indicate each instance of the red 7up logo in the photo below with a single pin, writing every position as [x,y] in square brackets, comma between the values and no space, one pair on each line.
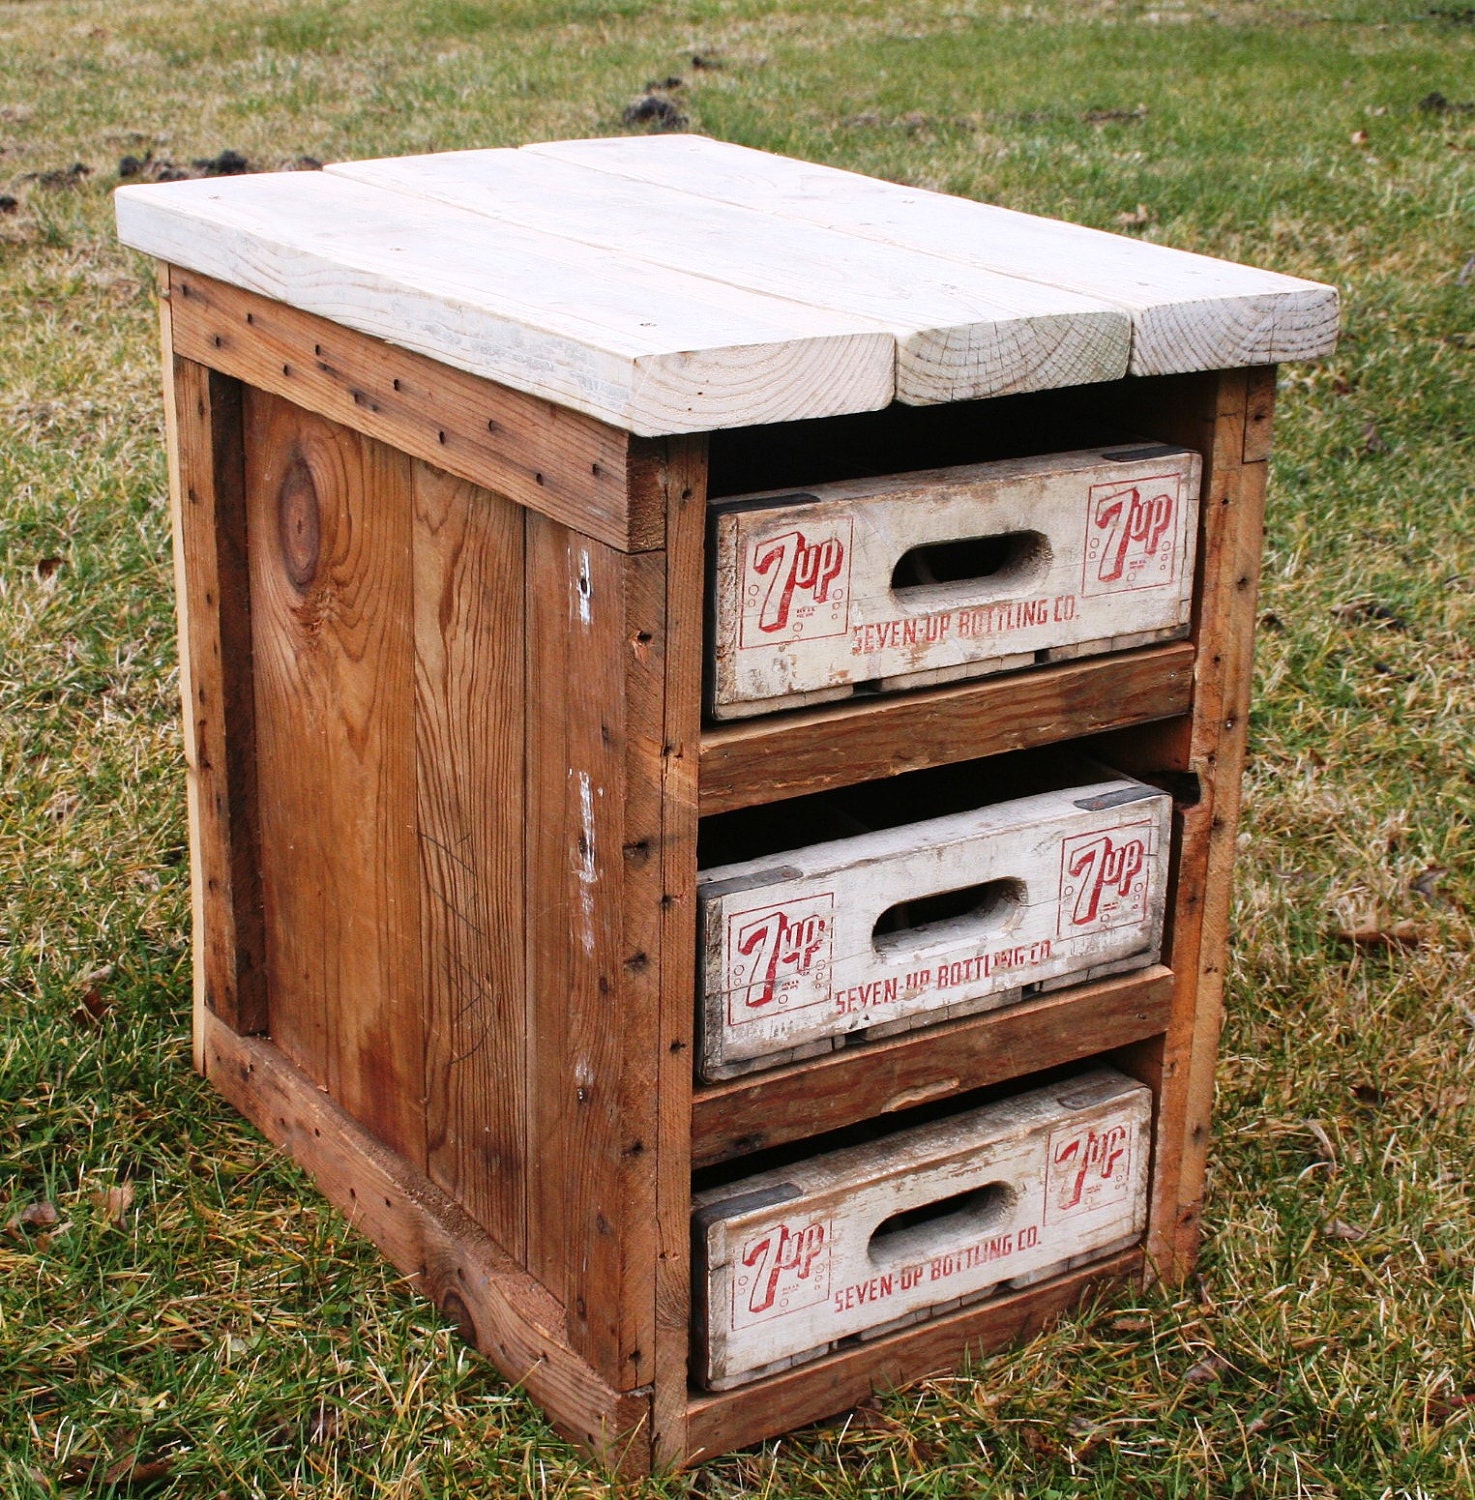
[778,952]
[779,1260]
[1086,1165]
[1130,535]
[795,585]
[1105,878]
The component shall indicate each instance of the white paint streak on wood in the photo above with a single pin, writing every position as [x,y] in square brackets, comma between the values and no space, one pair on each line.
[961,331]
[586,866]
[803,606]
[644,347]
[1188,311]
[791,957]
[789,1261]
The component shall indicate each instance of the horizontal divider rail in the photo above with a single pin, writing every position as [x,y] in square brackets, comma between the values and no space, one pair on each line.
[811,750]
[876,1078]
[720,1422]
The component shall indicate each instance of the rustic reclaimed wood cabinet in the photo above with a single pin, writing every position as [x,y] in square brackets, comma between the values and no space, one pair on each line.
[444,435]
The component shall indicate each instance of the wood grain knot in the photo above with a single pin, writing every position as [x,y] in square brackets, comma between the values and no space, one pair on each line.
[299,523]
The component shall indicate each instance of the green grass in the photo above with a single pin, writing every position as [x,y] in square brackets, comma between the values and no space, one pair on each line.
[231,1325]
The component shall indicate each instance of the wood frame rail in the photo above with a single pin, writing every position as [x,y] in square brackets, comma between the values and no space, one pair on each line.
[786,755]
[857,1083]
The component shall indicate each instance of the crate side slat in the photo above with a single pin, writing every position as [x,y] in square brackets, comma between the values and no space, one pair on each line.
[799,1257]
[793,754]
[803,599]
[329,516]
[468,562]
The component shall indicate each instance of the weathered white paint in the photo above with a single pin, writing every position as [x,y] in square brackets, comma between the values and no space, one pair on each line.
[1188,312]
[791,958]
[790,1260]
[679,285]
[961,331]
[803,606]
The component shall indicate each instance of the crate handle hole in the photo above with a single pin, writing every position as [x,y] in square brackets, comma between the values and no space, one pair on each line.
[930,1228]
[969,567]
[945,919]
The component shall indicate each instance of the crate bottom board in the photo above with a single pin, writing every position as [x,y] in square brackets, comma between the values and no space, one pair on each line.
[740,710]
[928,1314]
[721,1421]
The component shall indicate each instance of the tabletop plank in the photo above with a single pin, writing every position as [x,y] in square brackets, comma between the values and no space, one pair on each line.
[962,332]
[646,348]
[1189,312]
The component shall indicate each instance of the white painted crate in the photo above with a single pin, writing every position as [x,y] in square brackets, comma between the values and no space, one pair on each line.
[1067,554]
[870,1237]
[1073,884]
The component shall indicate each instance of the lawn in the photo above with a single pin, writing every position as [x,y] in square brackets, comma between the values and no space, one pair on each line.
[180,1314]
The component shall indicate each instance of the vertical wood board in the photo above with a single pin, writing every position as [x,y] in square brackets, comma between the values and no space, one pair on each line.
[680,479]
[594,670]
[212,593]
[333,651]
[468,602]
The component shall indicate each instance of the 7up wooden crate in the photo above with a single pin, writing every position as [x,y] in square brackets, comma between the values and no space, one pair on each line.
[949,573]
[905,926]
[862,1240]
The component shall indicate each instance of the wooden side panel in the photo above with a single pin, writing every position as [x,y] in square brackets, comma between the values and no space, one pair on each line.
[681,480]
[207,497]
[595,674]
[329,515]
[468,579]
[496,1305]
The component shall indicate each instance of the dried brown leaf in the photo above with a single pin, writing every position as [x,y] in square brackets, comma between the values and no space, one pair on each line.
[33,1216]
[1138,219]
[1358,138]
[1374,934]
[1209,1368]
[93,1008]
[127,1473]
[1340,1229]
[115,1202]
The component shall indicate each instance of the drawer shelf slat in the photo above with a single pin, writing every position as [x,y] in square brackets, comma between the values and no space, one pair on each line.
[806,1099]
[791,754]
